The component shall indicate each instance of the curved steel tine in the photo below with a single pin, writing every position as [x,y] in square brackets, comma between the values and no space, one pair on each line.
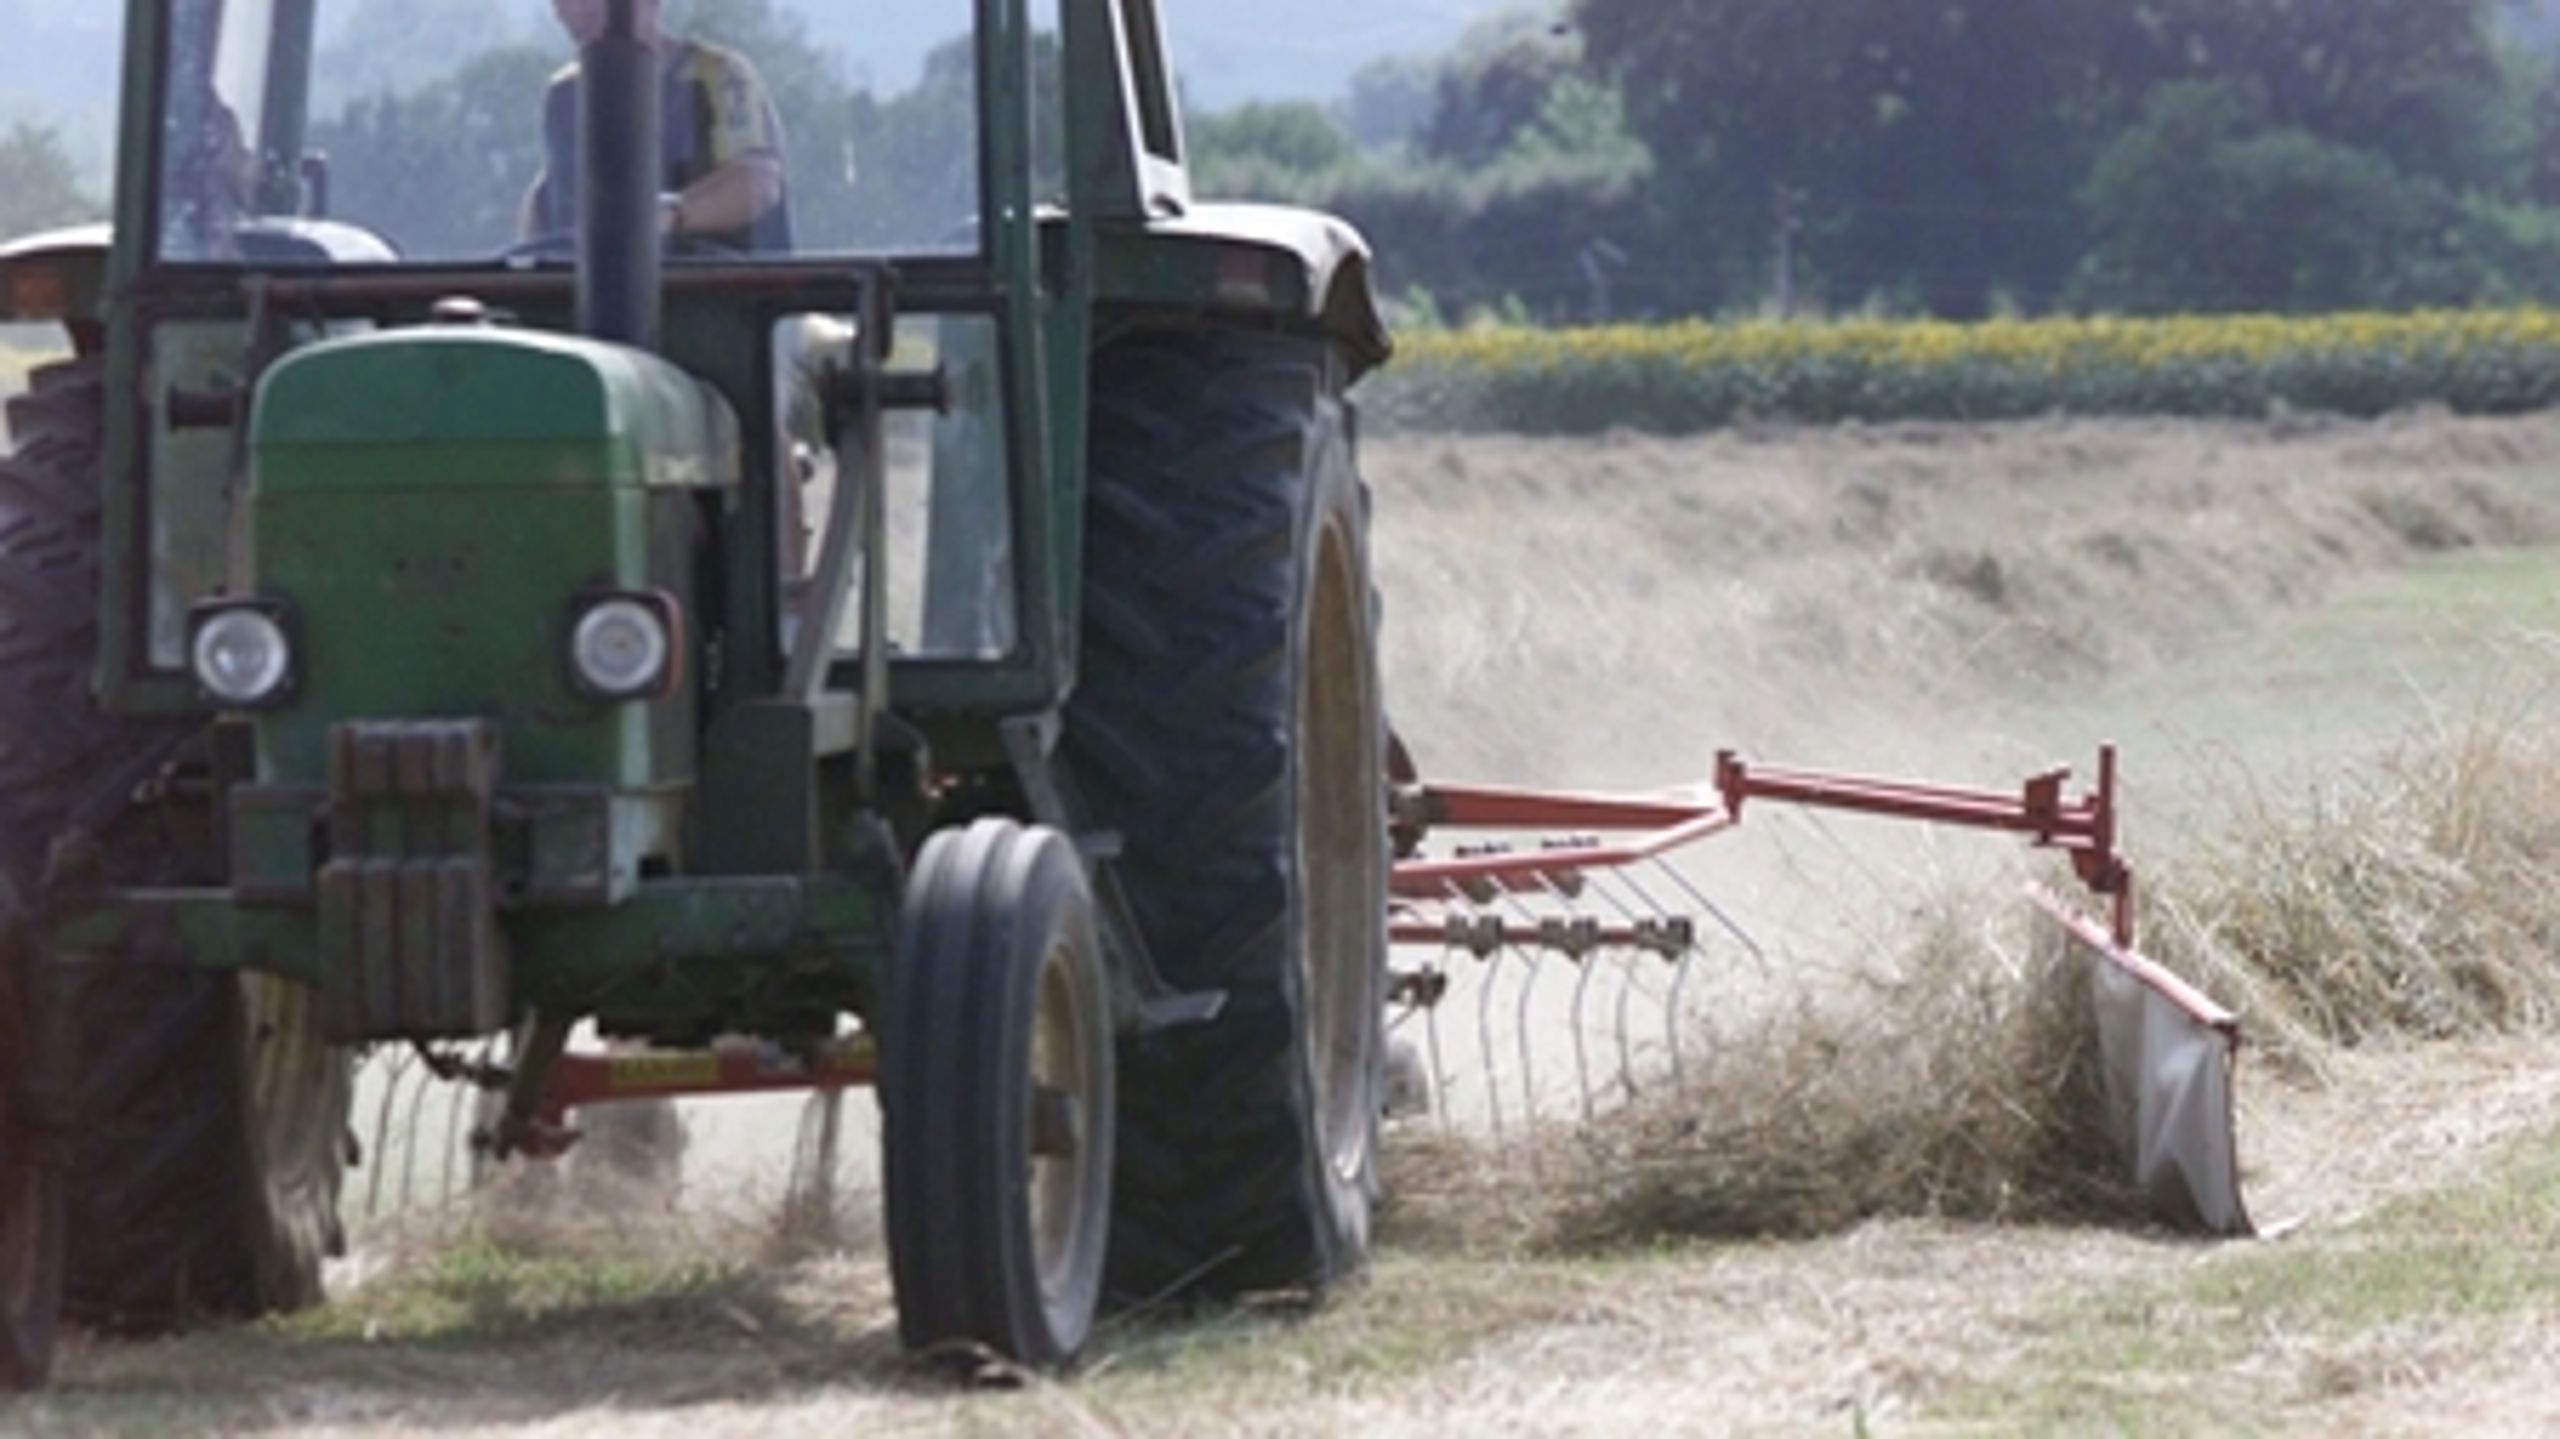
[1484,1041]
[409,1157]
[452,1122]
[393,1066]
[1581,1059]
[1531,963]
[1439,1074]
[1628,969]
[1672,1027]
[1584,965]
[1630,974]
[462,1146]
[1530,966]
[1724,920]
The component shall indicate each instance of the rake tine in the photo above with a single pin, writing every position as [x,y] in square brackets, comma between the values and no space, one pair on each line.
[452,1122]
[1484,1041]
[1671,1019]
[1581,1061]
[1626,1028]
[409,1155]
[392,1070]
[1528,1065]
[1724,921]
[1439,1075]
[1629,972]
[1531,964]
[458,1146]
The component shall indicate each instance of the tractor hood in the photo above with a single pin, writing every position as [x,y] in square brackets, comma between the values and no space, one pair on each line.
[598,412]
[435,509]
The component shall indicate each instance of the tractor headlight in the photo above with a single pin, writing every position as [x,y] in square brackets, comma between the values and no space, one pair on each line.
[623,646]
[242,652]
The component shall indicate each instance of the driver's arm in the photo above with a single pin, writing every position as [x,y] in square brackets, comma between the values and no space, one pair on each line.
[730,198]
[742,141]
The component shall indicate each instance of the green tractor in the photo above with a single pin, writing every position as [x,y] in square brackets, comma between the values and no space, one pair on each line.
[947,640]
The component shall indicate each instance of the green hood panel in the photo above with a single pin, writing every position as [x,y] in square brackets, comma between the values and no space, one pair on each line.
[552,410]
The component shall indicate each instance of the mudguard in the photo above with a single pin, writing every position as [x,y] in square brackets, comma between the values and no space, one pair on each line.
[56,276]
[1295,264]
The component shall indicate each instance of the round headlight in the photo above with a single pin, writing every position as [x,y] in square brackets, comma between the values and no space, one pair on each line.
[620,648]
[241,656]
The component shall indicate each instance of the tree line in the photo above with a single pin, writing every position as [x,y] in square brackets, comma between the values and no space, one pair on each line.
[1948,157]
[1619,159]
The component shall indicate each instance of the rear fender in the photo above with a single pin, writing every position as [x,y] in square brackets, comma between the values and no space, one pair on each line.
[1297,266]
[58,277]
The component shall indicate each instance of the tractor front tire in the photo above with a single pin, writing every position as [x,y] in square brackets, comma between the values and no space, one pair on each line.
[199,1115]
[1227,725]
[996,1097]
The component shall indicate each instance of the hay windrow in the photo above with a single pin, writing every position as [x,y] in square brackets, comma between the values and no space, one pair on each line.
[2407,901]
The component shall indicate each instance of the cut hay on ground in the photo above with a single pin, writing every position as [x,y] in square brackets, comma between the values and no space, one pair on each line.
[1963,1084]
[2411,900]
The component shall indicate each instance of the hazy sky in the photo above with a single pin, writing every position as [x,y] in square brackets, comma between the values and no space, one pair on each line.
[58,63]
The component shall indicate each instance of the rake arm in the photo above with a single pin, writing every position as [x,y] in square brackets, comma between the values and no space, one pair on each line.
[2082,827]
[2043,809]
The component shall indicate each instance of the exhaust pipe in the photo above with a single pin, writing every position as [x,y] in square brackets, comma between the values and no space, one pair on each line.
[618,257]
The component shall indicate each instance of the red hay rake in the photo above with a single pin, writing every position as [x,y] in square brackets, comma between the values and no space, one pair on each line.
[1579,877]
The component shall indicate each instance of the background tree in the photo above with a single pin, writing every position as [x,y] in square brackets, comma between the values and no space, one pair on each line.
[1918,146]
[2417,82]
[442,170]
[39,187]
[2204,206]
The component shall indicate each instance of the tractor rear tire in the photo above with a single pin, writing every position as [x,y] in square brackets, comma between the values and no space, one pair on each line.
[1227,725]
[210,1151]
[200,1115]
[996,1098]
[31,1160]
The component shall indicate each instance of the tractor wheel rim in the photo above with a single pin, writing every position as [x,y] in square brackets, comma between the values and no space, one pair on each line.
[1338,811]
[1058,1125]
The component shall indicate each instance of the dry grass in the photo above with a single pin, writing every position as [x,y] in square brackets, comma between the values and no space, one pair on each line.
[1608,611]
[2408,901]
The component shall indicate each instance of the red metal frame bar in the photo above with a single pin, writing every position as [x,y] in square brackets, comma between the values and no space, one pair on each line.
[2082,827]
[580,1080]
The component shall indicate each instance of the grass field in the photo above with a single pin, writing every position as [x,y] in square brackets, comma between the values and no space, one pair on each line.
[2258,611]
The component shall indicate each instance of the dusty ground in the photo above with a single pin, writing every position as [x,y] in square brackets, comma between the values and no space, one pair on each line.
[2244,606]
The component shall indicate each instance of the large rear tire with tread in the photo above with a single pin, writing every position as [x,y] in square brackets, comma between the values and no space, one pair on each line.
[996,1097]
[201,1116]
[31,1240]
[1227,725]
[210,1150]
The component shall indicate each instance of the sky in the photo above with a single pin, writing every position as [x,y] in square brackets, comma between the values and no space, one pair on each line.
[58,64]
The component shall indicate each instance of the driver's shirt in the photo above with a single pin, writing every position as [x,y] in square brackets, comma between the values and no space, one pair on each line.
[712,109]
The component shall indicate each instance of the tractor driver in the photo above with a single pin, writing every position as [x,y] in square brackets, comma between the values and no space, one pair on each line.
[720,142]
